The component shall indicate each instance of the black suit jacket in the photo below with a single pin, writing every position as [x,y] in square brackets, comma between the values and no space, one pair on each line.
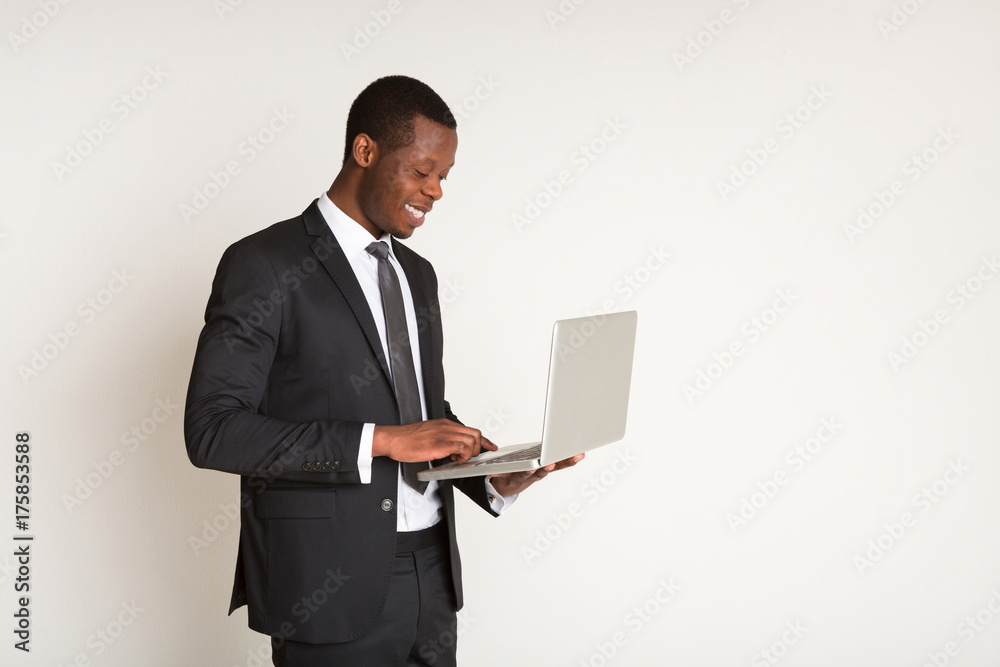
[289,367]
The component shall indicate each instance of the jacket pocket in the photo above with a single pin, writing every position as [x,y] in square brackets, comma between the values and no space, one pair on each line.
[296,504]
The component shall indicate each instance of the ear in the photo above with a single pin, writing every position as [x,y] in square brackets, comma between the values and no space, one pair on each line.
[364,151]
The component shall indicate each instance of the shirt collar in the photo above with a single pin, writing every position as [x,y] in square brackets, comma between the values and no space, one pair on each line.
[352,237]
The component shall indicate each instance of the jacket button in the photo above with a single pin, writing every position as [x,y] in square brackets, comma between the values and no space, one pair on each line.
[306,466]
[326,465]
[336,465]
[386,505]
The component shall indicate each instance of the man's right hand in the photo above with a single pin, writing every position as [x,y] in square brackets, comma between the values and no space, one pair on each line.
[428,441]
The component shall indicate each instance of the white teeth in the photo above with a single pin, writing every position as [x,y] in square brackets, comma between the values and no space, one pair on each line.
[415,212]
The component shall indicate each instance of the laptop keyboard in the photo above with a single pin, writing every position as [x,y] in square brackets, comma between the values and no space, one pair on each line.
[519,455]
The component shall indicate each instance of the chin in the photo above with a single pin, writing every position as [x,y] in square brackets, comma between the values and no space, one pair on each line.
[403,231]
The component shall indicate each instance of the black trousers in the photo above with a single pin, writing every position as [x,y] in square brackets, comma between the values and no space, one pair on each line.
[418,625]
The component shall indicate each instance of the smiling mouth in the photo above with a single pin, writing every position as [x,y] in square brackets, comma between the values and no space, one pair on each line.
[415,213]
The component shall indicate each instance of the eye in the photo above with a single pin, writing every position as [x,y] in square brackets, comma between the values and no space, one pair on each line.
[420,173]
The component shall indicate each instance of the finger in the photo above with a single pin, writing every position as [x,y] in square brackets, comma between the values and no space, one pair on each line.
[459,448]
[467,442]
[488,444]
[479,440]
[535,476]
[571,461]
[462,454]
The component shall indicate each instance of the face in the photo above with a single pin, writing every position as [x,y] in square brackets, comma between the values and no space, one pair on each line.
[398,190]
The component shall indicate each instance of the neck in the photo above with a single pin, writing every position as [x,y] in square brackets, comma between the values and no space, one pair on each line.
[343,193]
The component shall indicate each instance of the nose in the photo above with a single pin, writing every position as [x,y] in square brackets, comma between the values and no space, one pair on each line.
[433,189]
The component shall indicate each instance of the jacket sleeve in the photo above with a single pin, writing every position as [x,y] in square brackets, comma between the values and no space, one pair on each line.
[223,425]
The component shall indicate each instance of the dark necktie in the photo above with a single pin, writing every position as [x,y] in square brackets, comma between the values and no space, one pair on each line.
[404,377]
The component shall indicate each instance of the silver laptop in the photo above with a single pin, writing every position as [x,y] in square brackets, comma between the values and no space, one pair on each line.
[586,402]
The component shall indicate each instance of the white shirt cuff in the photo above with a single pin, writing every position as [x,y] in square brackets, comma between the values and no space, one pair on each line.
[498,503]
[365,453]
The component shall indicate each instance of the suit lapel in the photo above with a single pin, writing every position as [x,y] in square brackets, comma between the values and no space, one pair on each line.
[331,256]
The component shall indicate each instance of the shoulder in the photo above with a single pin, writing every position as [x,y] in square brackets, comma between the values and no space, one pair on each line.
[282,244]
[262,259]
[406,255]
[416,266]
[280,236]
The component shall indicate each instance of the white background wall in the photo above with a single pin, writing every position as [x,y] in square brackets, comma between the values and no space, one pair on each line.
[116,517]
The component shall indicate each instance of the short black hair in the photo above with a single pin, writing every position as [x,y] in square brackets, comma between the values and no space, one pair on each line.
[385,111]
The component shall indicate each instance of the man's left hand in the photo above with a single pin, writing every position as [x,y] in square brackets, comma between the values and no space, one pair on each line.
[510,483]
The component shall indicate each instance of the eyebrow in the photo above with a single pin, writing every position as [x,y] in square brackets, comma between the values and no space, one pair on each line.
[427,161]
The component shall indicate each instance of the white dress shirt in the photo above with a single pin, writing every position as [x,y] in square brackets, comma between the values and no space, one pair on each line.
[414,511]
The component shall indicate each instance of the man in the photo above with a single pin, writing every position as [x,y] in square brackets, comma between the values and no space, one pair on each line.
[318,379]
